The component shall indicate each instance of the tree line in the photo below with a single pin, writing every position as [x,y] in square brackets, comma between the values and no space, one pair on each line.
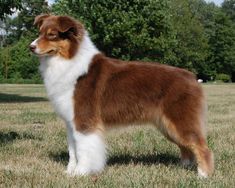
[191,34]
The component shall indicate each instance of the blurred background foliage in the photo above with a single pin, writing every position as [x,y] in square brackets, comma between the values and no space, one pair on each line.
[191,34]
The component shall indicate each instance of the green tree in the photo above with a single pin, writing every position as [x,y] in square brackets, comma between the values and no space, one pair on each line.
[223,45]
[127,29]
[23,62]
[228,6]
[192,44]
[8,7]
[16,61]
[15,58]
[5,62]
[22,24]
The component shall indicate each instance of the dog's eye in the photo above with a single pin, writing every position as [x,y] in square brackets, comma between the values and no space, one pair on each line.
[51,36]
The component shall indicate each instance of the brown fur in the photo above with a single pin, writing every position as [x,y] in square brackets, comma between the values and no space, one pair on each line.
[119,93]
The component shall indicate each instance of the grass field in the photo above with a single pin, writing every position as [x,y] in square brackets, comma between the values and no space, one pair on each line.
[33,149]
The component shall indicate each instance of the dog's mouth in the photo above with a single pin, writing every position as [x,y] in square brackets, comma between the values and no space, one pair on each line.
[46,53]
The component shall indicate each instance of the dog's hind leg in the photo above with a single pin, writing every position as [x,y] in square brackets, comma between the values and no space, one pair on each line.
[192,144]
[184,123]
[187,156]
[186,130]
[204,158]
[169,131]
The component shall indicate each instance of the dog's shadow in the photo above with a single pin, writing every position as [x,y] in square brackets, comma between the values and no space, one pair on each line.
[149,159]
[13,98]
[125,159]
[11,136]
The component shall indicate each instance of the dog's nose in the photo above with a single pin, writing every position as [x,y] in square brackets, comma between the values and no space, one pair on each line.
[32,47]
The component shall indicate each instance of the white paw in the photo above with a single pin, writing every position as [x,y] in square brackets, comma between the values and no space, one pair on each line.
[201,173]
[81,170]
[71,168]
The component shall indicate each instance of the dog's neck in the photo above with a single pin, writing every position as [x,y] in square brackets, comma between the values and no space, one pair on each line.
[57,70]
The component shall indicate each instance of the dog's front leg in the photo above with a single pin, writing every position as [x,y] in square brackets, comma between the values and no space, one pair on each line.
[72,150]
[90,152]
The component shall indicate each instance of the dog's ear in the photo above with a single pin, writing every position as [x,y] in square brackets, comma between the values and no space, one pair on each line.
[39,19]
[69,25]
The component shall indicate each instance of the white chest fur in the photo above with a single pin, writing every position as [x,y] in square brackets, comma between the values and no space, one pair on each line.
[60,76]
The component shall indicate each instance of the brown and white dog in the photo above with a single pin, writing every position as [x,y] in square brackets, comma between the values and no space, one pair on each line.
[92,92]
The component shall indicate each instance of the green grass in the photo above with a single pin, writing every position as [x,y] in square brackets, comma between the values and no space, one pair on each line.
[33,149]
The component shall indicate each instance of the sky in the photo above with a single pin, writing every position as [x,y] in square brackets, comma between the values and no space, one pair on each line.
[51,1]
[217,2]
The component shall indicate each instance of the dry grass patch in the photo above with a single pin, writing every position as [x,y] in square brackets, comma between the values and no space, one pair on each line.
[33,149]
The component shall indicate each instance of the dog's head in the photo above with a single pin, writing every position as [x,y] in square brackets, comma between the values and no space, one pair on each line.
[58,35]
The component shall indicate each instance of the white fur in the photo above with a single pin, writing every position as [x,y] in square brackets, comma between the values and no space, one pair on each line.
[201,173]
[91,152]
[34,43]
[86,152]
[60,76]
[72,150]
